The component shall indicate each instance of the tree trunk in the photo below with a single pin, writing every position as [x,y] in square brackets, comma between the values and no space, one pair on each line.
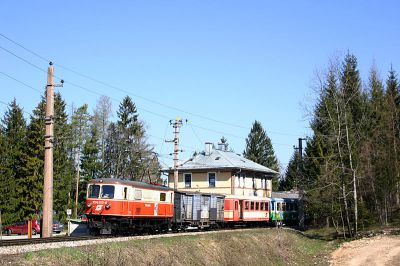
[353,175]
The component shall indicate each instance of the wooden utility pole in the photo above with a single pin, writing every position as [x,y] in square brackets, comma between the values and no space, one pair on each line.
[176,125]
[47,222]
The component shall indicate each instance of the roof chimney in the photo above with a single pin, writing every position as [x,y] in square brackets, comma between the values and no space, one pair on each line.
[208,148]
[222,146]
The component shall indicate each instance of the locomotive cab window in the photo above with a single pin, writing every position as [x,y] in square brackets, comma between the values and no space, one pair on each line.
[94,191]
[163,196]
[107,192]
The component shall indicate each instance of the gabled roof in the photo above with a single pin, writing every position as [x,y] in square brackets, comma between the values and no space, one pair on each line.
[220,159]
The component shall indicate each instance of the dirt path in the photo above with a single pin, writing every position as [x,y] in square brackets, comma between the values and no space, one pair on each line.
[379,250]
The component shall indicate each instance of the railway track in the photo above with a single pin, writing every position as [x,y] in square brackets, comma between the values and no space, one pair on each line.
[33,241]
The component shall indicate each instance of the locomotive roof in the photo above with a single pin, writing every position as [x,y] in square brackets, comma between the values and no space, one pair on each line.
[129,183]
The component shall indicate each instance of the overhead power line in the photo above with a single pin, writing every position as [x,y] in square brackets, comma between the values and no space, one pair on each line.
[21,82]
[114,99]
[129,92]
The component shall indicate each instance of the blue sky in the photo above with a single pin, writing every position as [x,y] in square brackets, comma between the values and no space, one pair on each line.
[231,61]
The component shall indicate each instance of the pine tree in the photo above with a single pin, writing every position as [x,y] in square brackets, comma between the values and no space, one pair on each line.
[259,149]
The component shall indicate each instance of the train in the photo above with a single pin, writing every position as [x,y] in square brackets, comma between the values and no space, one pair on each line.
[124,207]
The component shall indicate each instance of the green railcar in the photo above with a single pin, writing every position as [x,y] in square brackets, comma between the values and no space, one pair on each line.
[283,211]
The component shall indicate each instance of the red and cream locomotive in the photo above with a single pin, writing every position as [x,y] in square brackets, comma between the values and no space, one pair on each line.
[122,207]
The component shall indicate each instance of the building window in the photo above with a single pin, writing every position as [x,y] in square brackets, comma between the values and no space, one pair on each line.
[211,179]
[242,177]
[188,180]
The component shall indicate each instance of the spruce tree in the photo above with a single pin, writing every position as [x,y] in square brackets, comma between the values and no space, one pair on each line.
[14,128]
[393,105]
[63,166]
[131,132]
[90,164]
[32,202]
[259,149]
[293,174]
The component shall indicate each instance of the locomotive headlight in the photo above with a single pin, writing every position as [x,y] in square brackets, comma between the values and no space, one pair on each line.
[108,205]
[89,205]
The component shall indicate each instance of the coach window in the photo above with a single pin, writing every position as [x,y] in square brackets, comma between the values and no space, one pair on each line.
[188,180]
[252,205]
[94,191]
[107,192]
[211,179]
[236,205]
[246,205]
[257,206]
[163,196]
[262,206]
[272,206]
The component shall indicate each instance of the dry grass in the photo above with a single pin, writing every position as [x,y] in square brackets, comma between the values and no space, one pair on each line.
[250,247]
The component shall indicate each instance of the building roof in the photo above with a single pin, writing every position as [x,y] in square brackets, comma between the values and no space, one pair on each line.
[221,159]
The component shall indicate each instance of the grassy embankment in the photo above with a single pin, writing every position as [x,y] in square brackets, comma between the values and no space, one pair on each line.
[247,247]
